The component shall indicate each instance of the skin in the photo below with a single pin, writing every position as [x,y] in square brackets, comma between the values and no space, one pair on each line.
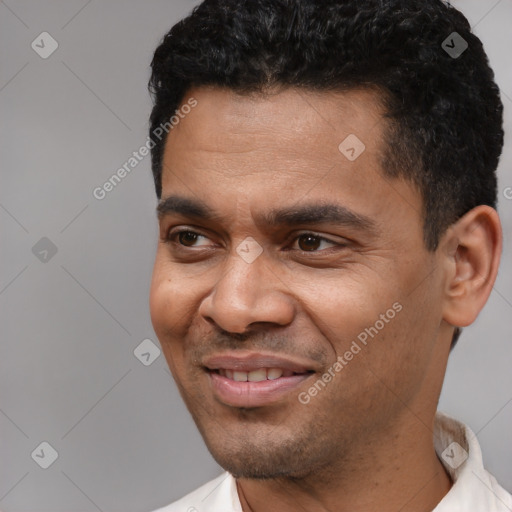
[365,441]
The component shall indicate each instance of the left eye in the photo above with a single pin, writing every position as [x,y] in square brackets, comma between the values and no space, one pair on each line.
[309,242]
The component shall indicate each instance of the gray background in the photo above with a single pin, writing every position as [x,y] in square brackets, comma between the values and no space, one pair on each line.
[71,323]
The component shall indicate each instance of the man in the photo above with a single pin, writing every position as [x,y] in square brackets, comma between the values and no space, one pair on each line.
[327,225]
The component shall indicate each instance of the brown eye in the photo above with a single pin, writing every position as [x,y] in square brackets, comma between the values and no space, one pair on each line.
[187,238]
[314,243]
[309,242]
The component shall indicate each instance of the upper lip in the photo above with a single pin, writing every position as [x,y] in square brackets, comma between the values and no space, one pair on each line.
[253,361]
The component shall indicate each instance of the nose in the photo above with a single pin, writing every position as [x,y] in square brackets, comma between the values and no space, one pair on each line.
[246,294]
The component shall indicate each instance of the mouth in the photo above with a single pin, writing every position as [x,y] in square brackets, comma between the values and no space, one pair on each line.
[254,380]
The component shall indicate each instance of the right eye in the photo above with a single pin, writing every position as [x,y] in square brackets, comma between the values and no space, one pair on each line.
[184,237]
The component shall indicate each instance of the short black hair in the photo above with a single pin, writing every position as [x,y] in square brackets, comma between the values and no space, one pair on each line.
[443,109]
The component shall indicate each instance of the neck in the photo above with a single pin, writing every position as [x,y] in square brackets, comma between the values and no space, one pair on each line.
[394,471]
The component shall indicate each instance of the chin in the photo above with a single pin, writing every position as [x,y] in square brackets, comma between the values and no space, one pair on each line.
[241,469]
[270,461]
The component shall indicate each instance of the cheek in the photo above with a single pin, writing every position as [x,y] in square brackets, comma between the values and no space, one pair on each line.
[373,323]
[169,302]
[342,310]
[171,297]
[160,299]
[165,301]
[397,355]
[173,300]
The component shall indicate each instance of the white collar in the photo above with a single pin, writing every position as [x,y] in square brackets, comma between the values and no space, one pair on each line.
[473,489]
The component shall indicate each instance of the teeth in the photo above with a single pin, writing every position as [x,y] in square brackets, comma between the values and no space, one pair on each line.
[257,375]
[274,373]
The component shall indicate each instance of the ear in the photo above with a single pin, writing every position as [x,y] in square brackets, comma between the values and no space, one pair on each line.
[470,253]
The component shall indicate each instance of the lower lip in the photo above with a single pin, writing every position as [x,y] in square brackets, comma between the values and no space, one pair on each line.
[254,394]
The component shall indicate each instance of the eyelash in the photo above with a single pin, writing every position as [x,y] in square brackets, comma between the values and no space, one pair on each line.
[172,236]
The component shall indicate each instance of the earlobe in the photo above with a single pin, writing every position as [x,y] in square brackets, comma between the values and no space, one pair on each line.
[471,255]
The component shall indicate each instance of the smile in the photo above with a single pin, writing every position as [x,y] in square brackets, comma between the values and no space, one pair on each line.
[254,380]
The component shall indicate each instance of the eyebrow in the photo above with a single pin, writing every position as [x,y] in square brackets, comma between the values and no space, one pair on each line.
[310,213]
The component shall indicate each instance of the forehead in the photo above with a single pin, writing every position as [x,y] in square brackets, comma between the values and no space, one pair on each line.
[278,117]
[282,131]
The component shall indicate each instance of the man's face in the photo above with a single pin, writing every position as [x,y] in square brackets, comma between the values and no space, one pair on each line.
[271,288]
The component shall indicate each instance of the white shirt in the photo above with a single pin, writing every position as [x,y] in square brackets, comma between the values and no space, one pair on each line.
[473,489]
